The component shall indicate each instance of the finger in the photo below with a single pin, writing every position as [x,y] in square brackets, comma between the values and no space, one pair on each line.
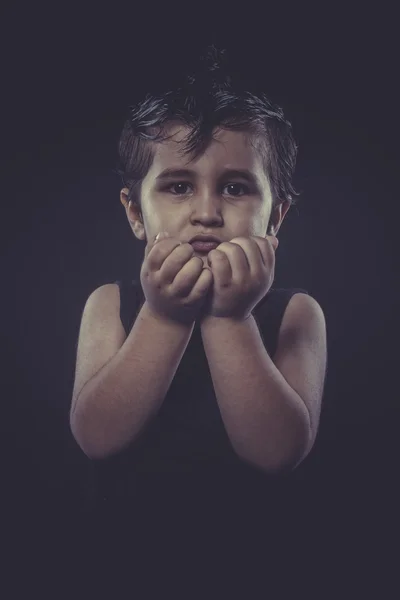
[151,242]
[155,239]
[173,256]
[273,241]
[160,253]
[224,264]
[246,258]
[161,236]
[264,249]
[264,246]
[202,286]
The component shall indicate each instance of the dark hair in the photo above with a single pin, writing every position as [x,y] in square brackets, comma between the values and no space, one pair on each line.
[205,101]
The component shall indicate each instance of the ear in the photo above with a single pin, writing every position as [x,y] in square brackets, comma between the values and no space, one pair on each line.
[277,216]
[124,197]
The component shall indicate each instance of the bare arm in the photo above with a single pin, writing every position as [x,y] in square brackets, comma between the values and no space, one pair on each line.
[270,408]
[117,402]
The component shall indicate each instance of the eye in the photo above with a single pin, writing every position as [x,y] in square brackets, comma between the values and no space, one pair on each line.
[185,183]
[240,185]
[182,183]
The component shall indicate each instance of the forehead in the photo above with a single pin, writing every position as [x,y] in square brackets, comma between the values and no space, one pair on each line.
[228,149]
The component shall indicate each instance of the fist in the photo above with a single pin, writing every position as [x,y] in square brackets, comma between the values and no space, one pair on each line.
[243,272]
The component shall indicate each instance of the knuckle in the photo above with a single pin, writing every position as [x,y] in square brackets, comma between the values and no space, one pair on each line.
[189,247]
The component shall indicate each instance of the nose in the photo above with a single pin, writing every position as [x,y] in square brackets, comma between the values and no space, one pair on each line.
[207,209]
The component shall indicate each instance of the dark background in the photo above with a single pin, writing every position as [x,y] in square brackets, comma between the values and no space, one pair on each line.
[68,79]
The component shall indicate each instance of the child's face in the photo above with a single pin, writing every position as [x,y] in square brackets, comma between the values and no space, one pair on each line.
[206,201]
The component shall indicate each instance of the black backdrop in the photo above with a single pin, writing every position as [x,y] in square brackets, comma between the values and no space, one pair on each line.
[68,79]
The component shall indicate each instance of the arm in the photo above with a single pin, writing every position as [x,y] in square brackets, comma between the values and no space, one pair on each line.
[114,405]
[270,408]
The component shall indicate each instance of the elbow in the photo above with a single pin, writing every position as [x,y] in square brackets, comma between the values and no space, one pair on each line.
[98,435]
[297,452]
[90,445]
[289,456]
[300,441]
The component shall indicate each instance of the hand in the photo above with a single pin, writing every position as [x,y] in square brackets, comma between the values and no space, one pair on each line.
[174,281]
[243,272]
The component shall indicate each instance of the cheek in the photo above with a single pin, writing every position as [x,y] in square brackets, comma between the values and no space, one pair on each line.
[258,231]
[153,222]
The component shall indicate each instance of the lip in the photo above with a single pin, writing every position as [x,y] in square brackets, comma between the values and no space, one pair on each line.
[205,238]
[204,246]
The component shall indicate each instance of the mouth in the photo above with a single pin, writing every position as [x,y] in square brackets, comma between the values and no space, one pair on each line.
[205,246]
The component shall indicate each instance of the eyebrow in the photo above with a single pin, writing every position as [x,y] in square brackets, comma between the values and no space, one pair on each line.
[242,173]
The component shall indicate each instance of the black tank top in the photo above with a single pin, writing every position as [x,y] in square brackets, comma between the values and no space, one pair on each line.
[187,435]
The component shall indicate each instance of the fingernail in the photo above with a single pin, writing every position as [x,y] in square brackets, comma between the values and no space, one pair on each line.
[162,234]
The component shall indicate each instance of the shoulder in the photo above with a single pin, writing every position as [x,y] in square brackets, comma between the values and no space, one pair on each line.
[303,319]
[104,301]
[301,301]
[109,292]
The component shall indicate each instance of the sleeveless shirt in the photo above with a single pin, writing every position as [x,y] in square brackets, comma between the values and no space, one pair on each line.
[187,436]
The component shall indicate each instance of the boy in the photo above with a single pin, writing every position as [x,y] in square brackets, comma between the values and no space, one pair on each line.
[203,365]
